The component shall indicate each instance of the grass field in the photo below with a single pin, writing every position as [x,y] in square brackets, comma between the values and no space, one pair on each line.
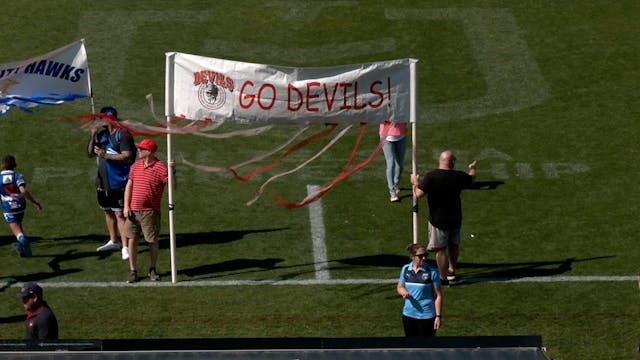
[543,94]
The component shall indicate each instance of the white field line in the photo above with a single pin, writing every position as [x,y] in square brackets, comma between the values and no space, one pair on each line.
[316,220]
[209,283]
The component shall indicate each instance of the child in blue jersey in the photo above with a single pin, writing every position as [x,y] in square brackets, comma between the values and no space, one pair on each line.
[419,286]
[14,194]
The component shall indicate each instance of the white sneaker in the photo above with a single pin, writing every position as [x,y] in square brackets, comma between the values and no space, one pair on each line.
[109,246]
[125,253]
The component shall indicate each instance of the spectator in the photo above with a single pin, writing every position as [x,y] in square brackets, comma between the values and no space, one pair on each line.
[13,194]
[394,148]
[419,286]
[442,188]
[41,323]
[142,201]
[115,152]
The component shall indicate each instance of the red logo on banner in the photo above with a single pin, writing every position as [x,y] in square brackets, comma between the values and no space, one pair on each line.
[212,88]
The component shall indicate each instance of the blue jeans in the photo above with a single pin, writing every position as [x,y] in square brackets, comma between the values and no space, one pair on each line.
[394,156]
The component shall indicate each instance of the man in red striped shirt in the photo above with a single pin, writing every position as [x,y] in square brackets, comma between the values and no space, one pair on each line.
[142,200]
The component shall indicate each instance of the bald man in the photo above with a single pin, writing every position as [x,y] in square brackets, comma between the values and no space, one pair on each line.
[442,188]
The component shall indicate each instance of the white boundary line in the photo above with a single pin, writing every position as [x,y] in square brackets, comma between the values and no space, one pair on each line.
[210,283]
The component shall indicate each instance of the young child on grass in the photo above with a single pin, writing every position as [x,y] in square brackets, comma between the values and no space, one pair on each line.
[13,192]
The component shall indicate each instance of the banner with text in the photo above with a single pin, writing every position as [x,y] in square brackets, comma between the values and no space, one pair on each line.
[200,88]
[59,76]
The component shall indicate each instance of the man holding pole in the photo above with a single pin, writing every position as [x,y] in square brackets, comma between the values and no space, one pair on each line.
[142,205]
[442,187]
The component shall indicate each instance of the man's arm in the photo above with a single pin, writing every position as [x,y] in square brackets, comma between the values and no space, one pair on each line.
[125,157]
[472,168]
[127,198]
[415,180]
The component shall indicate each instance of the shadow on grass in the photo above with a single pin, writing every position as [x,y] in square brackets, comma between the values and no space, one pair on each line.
[35,277]
[485,185]
[381,260]
[232,265]
[211,238]
[513,271]
[13,319]
[6,240]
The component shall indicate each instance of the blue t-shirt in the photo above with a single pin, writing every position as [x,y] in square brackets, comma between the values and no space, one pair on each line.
[113,175]
[421,304]
[13,202]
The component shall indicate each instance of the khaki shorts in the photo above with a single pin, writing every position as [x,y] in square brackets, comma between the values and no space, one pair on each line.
[440,239]
[146,223]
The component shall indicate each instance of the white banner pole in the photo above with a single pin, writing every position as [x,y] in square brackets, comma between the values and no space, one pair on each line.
[168,96]
[414,160]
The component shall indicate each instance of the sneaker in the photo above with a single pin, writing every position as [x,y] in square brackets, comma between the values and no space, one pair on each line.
[451,275]
[394,198]
[444,282]
[133,277]
[27,249]
[109,246]
[125,253]
[396,190]
[153,275]
[20,249]
[24,247]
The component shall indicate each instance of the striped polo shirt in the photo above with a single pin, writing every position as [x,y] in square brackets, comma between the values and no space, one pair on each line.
[148,183]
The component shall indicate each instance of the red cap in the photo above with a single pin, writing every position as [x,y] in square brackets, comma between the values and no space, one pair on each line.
[147,144]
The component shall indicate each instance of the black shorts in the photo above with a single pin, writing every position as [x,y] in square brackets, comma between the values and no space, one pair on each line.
[112,200]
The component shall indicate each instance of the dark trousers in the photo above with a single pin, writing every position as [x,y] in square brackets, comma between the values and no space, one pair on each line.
[418,327]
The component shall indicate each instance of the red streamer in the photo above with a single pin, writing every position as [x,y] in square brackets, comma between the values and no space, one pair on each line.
[344,174]
[293,149]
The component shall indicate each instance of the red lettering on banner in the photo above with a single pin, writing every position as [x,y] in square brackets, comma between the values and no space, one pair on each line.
[380,95]
[310,97]
[313,95]
[345,93]
[389,90]
[355,98]
[260,97]
[208,76]
[289,100]
[333,96]
[251,97]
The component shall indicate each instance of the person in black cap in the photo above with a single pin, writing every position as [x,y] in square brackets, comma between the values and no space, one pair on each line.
[41,323]
[115,150]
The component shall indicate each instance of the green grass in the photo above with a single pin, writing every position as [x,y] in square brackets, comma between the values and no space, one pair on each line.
[558,131]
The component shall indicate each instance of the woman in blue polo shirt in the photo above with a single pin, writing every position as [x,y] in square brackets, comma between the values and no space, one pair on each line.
[419,286]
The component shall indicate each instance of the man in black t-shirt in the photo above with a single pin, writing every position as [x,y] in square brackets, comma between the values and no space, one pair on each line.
[442,187]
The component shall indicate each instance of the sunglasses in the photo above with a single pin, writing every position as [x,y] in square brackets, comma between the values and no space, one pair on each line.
[423,255]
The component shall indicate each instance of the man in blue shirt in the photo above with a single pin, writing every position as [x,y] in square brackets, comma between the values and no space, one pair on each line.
[114,147]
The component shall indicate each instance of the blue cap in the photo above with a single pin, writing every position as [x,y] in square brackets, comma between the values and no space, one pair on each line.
[29,289]
[108,110]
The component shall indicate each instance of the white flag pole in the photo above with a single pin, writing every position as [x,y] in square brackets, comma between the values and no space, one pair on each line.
[414,161]
[168,106]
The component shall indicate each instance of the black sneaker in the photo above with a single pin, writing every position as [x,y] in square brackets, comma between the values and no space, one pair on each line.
[444,282]
[133,277]
[451,275]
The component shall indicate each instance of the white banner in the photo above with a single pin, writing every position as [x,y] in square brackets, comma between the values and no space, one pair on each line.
[59,76]
[200,88]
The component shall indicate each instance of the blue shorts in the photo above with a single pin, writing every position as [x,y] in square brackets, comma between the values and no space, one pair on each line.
[13,218]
